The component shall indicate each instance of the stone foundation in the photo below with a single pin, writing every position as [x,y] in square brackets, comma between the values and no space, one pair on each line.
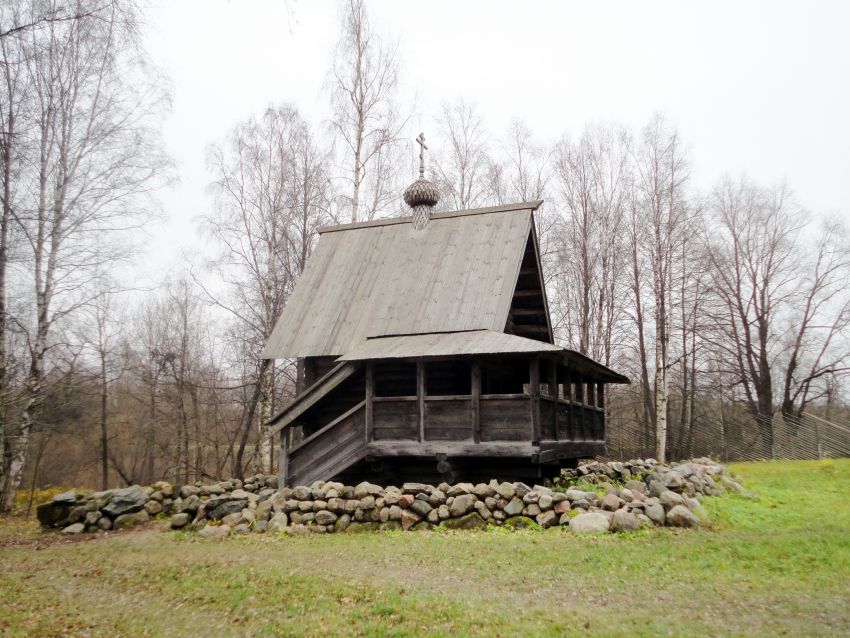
[625,497]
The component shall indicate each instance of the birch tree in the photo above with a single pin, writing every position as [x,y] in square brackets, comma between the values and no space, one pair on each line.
[463,163]
[367,121]
[91,157]
[661,175]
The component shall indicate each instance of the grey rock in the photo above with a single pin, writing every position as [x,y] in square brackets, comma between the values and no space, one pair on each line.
[126,500]
[636,486]
[670,499]
[189,490]
[519,522]
[623,521]
[681,516]
[507,491]
[482,491]
[416,488]
[422,508]
[545,502]
[180,520]
[325,517]
[153,507]
[66,498]
[462,504]
[364,489]
[342,523]
[469,521]
[130,519]
[367,503]
[547,519]
[226,508]
[302,493]
[459,489]
[589,523]
[655,513]
[611,502]
[514,507]
[521,489]
[483,510]
[76,528]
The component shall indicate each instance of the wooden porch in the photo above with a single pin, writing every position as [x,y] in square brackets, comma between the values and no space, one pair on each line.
[471,418]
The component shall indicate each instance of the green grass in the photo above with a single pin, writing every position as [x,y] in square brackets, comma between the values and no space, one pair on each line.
[777,564]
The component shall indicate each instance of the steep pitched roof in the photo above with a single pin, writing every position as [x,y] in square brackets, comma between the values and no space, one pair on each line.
[386,278]
[442,344]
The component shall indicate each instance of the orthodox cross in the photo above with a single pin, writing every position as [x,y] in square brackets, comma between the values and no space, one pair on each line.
[422,148]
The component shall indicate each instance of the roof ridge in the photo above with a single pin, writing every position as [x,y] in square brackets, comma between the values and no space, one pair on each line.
[389,221]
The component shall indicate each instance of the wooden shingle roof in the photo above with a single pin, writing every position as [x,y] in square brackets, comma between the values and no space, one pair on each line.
[387,278]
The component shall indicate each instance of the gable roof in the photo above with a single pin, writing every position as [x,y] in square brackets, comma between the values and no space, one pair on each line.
[442,344]
[387,278]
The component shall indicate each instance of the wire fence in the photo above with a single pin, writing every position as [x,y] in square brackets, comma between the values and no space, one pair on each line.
[735,437]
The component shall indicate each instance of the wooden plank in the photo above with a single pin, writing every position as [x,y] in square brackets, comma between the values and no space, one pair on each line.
[534,389]
[310,397]
[505,419]
[396,420]
[476,401]
[500,449]
[420,397]
[448,420]
[370,395]
[321,432]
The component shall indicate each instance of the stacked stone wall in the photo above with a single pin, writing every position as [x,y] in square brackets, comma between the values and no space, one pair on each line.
[596,497]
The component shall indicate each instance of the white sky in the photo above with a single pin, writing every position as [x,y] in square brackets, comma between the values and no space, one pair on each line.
[759,87]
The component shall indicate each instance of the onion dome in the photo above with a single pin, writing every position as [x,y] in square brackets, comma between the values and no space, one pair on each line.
[422,195]
[422,192]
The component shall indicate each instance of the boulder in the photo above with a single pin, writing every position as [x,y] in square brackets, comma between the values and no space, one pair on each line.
[130,519]
[514,507]
[409,519]
[519,522]
[301,493]
[416,488]
[589,523]
[153,507]
[66,498]
[506,491]
[462,505]
[392,526]
[547,519]
[422,508]
[76,528]
[325,517]
[364,489]
[125,501]
[681,516]
[545,502]
[342,523]
[611,502]
[226,508]
[53,514]
[624,521]
[180,520]
[214,531]
[670,499]
[472,520]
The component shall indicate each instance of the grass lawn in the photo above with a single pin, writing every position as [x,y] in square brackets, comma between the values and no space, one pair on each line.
[778,564]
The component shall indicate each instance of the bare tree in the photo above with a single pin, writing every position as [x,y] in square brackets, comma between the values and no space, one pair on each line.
[661,175]
[591,177]
[780,310]
[92,158]
[462,167]
[366,118]
[271,190]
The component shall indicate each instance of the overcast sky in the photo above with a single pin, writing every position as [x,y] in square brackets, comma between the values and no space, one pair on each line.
[758,87]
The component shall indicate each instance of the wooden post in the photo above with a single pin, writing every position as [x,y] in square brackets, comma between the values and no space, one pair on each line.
[580,411]
[476,401]
[370,394]
[534,391]
[420,397]
[284,458]
[553,394]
